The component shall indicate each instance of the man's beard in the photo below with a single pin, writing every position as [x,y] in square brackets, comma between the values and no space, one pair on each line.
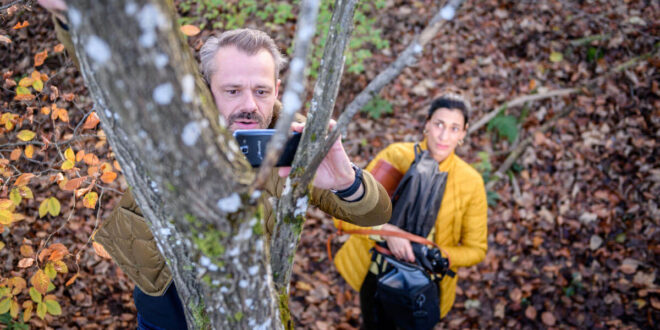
[253,116]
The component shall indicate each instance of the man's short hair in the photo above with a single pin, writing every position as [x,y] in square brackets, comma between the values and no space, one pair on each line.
[249,41]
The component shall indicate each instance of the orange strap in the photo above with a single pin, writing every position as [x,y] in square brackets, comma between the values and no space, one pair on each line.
[406,235]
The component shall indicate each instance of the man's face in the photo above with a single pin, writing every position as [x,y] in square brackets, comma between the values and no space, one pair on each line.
[244,87]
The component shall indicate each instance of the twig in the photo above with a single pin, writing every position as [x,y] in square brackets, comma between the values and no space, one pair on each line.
[515,153]
[286,235]
[519,101]
[25,3]
[587,40]
[292,98]
[590,84]
[41,144]
[325,90]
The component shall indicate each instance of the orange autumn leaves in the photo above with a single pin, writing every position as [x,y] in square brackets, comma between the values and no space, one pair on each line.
[41,283]
[35,81]
[95,171]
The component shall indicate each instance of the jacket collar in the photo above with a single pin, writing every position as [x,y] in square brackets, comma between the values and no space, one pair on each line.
[447,163]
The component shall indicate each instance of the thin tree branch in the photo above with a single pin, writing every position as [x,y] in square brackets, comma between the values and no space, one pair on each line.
[293,205]
[25,3]
[292,100]
[519,101]
[515,153]
[590,84]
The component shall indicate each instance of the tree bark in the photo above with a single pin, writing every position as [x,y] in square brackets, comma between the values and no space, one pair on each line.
[292,206]
[185,169]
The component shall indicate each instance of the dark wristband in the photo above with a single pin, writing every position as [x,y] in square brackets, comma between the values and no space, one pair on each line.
[353,188]
[63,25]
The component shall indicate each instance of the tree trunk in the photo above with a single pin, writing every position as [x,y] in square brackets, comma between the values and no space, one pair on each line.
[184,167]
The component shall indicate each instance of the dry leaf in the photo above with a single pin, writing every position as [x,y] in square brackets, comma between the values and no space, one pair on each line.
[23,179]
[24,97]
[15,154]
[89,201]
[100,251]
[20,25]
[68,97]
[58,48]
[72,279]
[79,155]
[29,151]
[530,312]
[5,39]
[74,184]
[108,177]
[91,159]
[548,319]
[91,121]
[25,262]
[26,135]
[40,281]
[189,30]
[26,250]
[40,57]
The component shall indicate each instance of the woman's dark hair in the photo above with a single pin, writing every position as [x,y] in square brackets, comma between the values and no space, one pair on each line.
[451,101]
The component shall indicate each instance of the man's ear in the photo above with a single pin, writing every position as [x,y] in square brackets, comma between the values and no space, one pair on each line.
[277,87]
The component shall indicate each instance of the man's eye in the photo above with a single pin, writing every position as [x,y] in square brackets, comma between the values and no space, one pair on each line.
[232,91]
[262,92]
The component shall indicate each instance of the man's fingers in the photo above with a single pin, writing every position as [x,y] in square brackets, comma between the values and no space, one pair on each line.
[297,127]
[284,171]
[53,4]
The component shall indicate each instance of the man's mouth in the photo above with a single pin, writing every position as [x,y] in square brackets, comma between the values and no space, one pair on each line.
[246,120]
[245,124]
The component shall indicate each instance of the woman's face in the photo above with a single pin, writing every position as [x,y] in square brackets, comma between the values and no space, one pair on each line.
[443,131]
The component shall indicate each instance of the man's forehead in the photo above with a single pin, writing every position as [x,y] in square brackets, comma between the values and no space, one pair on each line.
[227,52]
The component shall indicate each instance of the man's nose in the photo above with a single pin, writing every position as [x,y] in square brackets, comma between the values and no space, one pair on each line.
[249,102]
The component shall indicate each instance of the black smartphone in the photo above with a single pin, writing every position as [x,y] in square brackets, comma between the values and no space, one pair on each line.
[253,144]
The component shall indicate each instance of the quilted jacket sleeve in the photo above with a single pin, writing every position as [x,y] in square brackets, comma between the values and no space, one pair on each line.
[373,209]
[387,155]
[474,230]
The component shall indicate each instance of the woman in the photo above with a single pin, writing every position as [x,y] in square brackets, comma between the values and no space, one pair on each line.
[460,228]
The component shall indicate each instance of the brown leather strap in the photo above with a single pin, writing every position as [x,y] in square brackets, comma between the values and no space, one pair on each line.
[406,235]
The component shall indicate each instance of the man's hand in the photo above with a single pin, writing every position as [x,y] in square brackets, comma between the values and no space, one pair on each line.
[55,7]
[53,4]
[400,247]
[335,171]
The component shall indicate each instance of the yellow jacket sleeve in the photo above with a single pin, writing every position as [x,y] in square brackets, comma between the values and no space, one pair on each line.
[474,231]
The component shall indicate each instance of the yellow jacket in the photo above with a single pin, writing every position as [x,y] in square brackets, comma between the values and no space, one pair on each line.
[460,229]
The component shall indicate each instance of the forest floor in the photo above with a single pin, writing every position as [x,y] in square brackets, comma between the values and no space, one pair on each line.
[574,223]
